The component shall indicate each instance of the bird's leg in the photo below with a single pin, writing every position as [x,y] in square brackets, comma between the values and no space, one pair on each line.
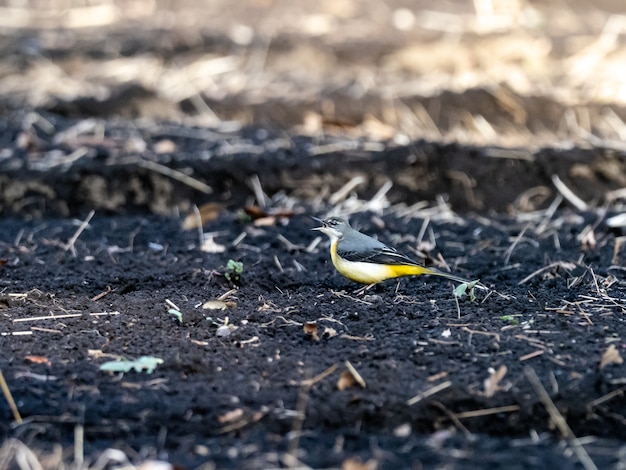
[364,289]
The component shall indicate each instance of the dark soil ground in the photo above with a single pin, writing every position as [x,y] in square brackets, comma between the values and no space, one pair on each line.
[263,392]
[241,400]
[260,115]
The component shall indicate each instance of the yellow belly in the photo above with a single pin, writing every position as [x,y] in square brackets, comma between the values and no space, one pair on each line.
[371,273]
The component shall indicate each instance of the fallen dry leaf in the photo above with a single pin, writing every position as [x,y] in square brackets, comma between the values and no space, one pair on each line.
[230,416]
[256,212]
[219,305]
[350,378]
[38,360]
[207,213]
[268,221]
[346,380]
[310,329]
[611,356]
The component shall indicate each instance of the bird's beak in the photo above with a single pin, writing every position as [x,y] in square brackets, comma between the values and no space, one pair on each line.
[321,222]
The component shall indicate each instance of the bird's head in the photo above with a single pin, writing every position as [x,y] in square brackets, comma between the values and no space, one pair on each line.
[335,227]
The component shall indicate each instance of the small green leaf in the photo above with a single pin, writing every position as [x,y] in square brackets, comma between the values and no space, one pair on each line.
[177,314]
[233,272]
[460,290]
[466,288]
[234,266]
[144,363]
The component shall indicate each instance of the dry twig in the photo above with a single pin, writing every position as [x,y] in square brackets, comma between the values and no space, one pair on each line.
[9,397]
[83,226]
[558,419]
[431,391]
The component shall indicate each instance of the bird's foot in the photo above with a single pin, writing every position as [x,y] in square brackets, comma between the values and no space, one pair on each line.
[363,289]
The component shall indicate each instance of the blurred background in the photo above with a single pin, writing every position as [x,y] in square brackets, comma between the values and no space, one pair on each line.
[512,73]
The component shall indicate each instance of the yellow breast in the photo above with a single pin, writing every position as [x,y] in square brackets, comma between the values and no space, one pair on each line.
[371,273]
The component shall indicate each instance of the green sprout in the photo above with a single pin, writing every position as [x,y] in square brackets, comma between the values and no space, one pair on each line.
[244,217]
[233,272]
[509,318]
[177,314]
[144,363]
[467,288]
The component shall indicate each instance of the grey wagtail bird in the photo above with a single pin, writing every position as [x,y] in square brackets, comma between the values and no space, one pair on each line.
[364,259]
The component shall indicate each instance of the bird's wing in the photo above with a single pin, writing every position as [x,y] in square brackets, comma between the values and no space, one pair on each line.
[376,255]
